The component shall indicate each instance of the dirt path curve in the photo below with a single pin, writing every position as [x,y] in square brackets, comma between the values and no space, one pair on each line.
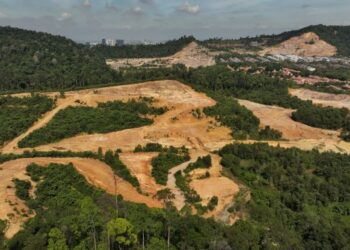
[47,117]
[179,200]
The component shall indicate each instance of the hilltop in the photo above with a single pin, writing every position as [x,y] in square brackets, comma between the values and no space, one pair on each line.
[337,36]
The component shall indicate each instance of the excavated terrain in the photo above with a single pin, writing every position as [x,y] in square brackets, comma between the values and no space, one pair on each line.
[308,44]
[177,127]
[193,55]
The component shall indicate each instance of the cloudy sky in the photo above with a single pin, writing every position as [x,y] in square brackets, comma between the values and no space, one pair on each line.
[158,20]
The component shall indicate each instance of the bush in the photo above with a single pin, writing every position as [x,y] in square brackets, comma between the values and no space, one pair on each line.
[202,162]
[167,159]
[112,159]
[22,188]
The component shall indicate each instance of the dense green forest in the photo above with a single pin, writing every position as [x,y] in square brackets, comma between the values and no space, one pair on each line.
[18,114]
[106,117]
[143,51]
[37,61]
[300,199]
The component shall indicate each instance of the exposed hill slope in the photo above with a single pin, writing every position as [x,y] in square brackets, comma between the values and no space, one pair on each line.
[307,44]
[338,36]
[192,55]
[36,60]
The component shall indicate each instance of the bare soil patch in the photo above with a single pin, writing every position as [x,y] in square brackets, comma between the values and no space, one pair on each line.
[193,55]
[325,99]
[308,44]
[280,119]
[177,127]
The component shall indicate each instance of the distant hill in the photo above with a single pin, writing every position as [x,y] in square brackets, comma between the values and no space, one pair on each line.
[35,60]
[144,51]
[338,36]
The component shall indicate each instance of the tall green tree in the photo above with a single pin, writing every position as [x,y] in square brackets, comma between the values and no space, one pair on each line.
[57,241]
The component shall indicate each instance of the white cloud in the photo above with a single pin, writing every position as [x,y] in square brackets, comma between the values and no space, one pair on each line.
[189,8]
[137,10]
[2,14]
[86,4]
[112,7]
[147,1]
[64,16]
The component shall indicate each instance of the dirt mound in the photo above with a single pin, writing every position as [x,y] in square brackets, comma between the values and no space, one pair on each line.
[280,119]
[308,44]
[325,99]
[193,55]
[96,173]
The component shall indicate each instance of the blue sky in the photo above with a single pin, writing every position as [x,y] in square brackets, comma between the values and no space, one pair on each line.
[158,20]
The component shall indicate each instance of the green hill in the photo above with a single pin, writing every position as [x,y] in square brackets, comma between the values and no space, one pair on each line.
[35,60]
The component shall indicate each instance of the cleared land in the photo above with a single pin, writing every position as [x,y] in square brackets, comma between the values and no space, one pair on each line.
[325,99]
[280,119]
[308,44]
[177,127]
[297,134]
[192,55]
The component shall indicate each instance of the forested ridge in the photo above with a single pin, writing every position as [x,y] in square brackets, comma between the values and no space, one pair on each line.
[32,60]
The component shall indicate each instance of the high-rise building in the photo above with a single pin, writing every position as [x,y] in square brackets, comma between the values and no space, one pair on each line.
[110,42]
[103,41]
[119,42]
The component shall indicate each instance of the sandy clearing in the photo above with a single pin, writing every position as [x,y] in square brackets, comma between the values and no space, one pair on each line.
[177,127]
[325,99]
[96,173]
[307,44]
[222,187]
[280,119]
[140,166]
[193,55]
